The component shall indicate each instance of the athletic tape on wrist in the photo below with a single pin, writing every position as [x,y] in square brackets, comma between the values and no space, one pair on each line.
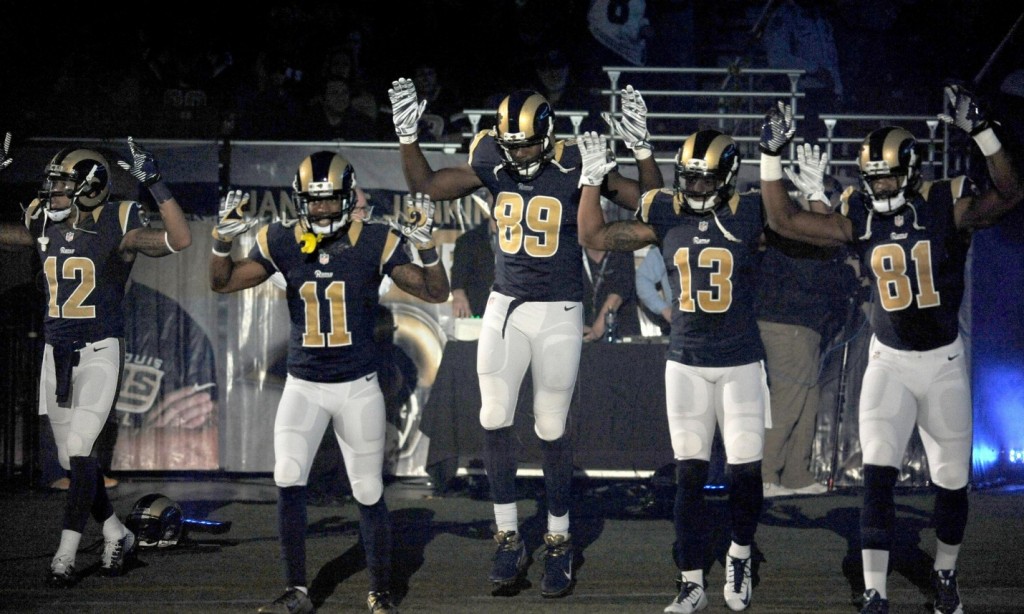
[988,142]
[407,139]
[221,247]
[771,167]
[642,153]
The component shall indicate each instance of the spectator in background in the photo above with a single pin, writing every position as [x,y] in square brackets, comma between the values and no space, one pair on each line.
[554,80]
[654,291]
[333,116]
[444,120]
[802,302]
[609,295]
[268,107]
[798,34]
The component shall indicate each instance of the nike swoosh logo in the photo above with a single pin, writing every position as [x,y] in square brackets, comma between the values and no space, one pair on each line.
[567,574]
[370,377]
[97,349]
[953,357]
[569,308]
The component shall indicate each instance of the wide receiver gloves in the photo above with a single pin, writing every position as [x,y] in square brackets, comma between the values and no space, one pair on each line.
[810,180]
[232,221]
[406,110]
[595,159]
[416,224]
[633,125]
[4,160]
[970,118]
[776,132]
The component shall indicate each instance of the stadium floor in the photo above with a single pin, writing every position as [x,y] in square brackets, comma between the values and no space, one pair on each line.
[808,559]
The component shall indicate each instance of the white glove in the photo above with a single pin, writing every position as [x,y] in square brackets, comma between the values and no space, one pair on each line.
[777,130]
[418,222]
[810,179]
[595,159]
[633,126]
[406,109]
[232,219]
[4,160]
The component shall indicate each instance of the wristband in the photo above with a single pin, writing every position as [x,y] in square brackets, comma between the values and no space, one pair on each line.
[429,256]
[161,193]
[771,167]
[222,247]
[987,142]
[642,151]
[167,241]
[818,196]
[406,139]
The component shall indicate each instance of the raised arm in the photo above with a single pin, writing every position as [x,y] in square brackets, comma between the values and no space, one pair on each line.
[430,281]
[593,231]
[1007,188]
[12,235]
[227,275]
[784,216]
[176,235]
[443,184]
[632,128]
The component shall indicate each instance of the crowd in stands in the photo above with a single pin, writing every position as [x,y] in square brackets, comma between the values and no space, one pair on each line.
[320,70]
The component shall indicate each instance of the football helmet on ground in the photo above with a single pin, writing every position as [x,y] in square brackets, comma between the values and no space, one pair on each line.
[707,166]
[323,176]
[156,521]
[81,175]
[890,152]
[524,119]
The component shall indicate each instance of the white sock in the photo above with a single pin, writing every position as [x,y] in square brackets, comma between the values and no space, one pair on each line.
[113,530]
[945,555]
[737,551]
[506,517]
[694,575]
[558,525]
[69,541]
[876,564]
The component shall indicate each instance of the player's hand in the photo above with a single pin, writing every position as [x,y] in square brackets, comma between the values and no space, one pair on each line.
[143,166]
[595,159]
[966,114]
[406,109]
[460,305]
[633,125]
[810,180]
[5,161]
[418,221]
[232,219]
[778,129]
[189,408]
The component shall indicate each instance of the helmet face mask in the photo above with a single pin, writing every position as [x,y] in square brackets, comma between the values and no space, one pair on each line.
[889,153]
[79,175]
[328,178]
[524,119]
[706,170]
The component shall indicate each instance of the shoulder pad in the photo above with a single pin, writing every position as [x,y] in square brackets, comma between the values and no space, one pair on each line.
[476,141]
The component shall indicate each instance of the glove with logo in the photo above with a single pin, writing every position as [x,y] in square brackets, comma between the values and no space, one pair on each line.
[633,125]
[233,220]
[595,159]
[777,130]
[406,109]
[143,166]
[418,221]
[969,117]
[810,180]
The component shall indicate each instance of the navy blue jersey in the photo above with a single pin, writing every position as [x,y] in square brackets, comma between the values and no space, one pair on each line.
[713,275]
[916,259]
[538,256]
[84,270]
[332,295]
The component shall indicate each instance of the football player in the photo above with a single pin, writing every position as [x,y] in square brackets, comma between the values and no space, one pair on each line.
[333,264]
[714,373]
[912,238]
[87,245]
[533,318]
